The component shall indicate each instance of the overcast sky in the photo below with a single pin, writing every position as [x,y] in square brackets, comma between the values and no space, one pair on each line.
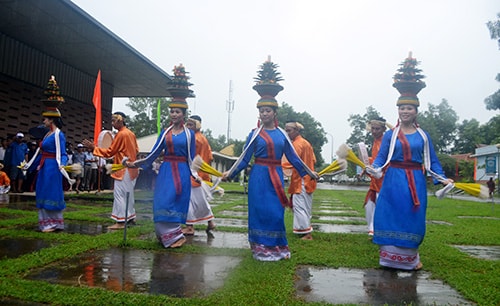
[336,57]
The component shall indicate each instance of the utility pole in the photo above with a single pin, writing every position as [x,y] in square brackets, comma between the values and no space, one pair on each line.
[229,109]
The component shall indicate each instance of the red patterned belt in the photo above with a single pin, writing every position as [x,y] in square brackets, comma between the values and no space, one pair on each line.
[174,158]
[268,162]
[406,165]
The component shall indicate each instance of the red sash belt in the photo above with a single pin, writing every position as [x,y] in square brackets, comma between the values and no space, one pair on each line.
[268,162]
[174,160]
[275,178]
[46,155]
[408,167]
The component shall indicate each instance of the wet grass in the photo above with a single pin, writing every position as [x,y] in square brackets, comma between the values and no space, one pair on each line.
[251,282]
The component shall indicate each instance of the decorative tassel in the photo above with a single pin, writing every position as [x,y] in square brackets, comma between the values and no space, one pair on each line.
[336,166]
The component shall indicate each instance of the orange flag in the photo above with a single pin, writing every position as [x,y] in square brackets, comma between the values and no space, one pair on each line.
[97,104]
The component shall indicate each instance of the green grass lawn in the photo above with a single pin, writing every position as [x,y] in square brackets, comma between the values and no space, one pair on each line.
[253,282]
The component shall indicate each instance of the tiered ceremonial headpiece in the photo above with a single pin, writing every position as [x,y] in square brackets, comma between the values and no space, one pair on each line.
[267,84]
[179,88]
[52,99]
[408,81]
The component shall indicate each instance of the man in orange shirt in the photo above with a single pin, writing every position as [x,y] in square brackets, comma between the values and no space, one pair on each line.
[124,144]
[4,181]
[377,127]
[301,189]
[199,208]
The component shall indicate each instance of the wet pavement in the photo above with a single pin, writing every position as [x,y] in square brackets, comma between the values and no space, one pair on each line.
[482,252]
[12,248]
[373,287]
[197,275]
[178,275]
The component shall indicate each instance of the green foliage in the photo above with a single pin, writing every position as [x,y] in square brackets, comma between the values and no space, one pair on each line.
[468,137]
[448,164]
[440,122]
[144,122]
[493,102]
[359,122]
[466,170]
[491,131]
[313,130]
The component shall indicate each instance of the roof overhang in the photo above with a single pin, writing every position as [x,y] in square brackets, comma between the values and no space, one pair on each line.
[60,29]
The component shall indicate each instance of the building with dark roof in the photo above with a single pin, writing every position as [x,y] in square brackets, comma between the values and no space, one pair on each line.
[55,37]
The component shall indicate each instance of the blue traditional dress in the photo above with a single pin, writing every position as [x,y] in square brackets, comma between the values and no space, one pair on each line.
[173,183]
[49,189]
[266,194]
[399,220]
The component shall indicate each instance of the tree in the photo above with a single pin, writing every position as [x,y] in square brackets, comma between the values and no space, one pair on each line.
[491,131]
[468,137]
[313,131]
[448,164]
[466,170]
[494,27]
[144,123]
[358,122]
[440,121]
[493,102]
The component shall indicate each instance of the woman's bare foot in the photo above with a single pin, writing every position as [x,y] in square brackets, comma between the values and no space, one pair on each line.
[188,230]
[307,237]
[178,243]
[419,266]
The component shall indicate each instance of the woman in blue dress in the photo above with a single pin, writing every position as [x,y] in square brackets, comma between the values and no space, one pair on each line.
[173,183]
[49,160]
[407,155]
[266,195]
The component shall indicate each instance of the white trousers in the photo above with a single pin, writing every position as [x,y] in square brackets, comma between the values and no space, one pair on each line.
[121,188]
[302,211]
[199,208]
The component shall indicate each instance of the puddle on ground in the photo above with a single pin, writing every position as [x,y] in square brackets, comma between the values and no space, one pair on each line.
[28,206]
[240,207]
[373,287]
[13,248]
[339,218]
[219,239]
[340,228]
[4,198]
[173,274]
[74,228]
[84,228]
[232,222]
[481,251]
[233,213]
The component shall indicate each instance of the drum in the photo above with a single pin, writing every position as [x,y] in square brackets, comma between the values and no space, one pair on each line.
[105,139]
